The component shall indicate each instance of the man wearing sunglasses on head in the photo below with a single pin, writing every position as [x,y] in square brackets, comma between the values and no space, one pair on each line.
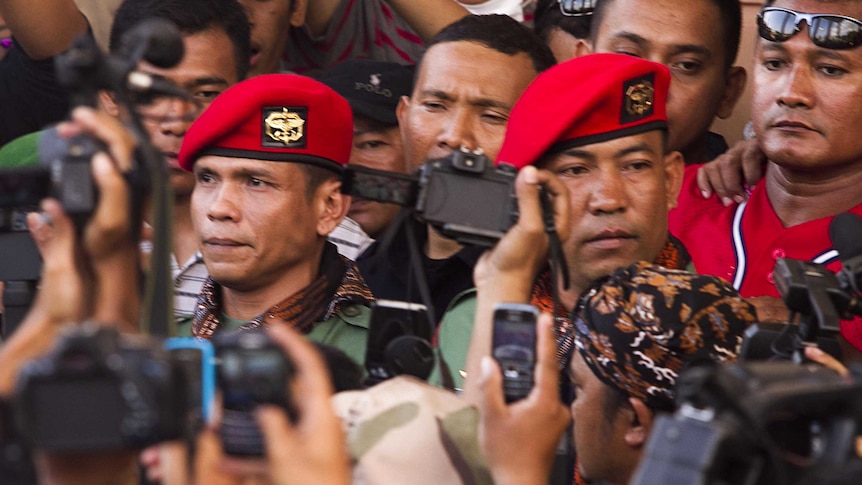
[806,112]
[697,39]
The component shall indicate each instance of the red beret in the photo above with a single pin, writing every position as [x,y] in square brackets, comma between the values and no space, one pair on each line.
[585,100]
[277,117]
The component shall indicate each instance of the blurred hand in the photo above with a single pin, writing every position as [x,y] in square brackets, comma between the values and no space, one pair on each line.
[741,164]
[769,308]
[816,355]
[519,440]
[312,450]
[65,284]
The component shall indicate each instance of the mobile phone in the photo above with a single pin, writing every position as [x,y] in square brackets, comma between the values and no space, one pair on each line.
[514,347]
[196,360]
[399,341]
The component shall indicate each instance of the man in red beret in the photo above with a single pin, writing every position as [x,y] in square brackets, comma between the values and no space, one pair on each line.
[267,157]
[609,148]
[604,159]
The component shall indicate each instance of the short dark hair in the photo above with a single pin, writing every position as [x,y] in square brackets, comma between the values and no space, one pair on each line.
[315,177]
[614,399]
[500,33]
[192,17]
[549,17]
[731,25]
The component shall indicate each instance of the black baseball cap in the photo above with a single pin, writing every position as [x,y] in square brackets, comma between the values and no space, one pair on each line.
[373,88]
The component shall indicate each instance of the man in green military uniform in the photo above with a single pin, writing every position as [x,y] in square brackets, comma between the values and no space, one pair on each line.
[267,157]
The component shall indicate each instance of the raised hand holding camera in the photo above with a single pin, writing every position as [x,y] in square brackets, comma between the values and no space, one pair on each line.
[303,446]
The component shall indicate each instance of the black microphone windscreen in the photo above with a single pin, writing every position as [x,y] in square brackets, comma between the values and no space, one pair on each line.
[845,231]
[164,42]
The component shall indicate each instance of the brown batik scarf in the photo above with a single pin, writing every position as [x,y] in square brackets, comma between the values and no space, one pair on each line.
[338,282]
[672,256]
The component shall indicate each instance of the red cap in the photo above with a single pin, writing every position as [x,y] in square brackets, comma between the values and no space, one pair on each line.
[586,100]
[276,117]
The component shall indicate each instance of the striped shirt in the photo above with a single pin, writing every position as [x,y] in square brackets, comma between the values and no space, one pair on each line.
[350,239]
[188,281]
[363,29]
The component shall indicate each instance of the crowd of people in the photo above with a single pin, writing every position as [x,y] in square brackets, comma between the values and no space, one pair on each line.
[647,243]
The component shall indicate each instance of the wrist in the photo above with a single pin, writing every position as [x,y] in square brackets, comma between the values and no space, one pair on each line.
[519,477]
[505,288]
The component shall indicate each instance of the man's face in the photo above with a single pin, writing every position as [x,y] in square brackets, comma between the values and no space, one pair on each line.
[620,192]
[685,36]
[462,97]
[598,436]
[806,99]
[270,22]
[253,220]
[379,148]
[208,68]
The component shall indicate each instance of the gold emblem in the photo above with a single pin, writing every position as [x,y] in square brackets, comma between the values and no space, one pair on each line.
[284,126]
[639,98]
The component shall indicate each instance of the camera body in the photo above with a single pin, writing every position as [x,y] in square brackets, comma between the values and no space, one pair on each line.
[252,369]
[99,391]
[739,423]
[819,297]
[464,196]
[63,173]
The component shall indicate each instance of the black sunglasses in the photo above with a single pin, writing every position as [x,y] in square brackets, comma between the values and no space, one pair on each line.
[826,30]
[577,8]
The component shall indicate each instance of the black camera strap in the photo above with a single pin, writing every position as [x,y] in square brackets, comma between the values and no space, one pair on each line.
[151,176]
[157,309]
[556,258]
[418,272]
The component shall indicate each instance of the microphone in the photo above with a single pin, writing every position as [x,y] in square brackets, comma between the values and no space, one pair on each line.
[845,231]
[84,68]
[157,41]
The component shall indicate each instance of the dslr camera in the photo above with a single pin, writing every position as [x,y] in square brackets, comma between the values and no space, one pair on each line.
[100,391]
[63,173]
[819,297]
[761,423]
[252,369]
[464,196]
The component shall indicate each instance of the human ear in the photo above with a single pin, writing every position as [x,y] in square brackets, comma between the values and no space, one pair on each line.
[640,424]
[582,48]
[297,14]
[332,206]
[109,103]
[733,88]
[674,166]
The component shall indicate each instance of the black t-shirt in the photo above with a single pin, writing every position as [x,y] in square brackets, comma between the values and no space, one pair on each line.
[390,276]
[30,96]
